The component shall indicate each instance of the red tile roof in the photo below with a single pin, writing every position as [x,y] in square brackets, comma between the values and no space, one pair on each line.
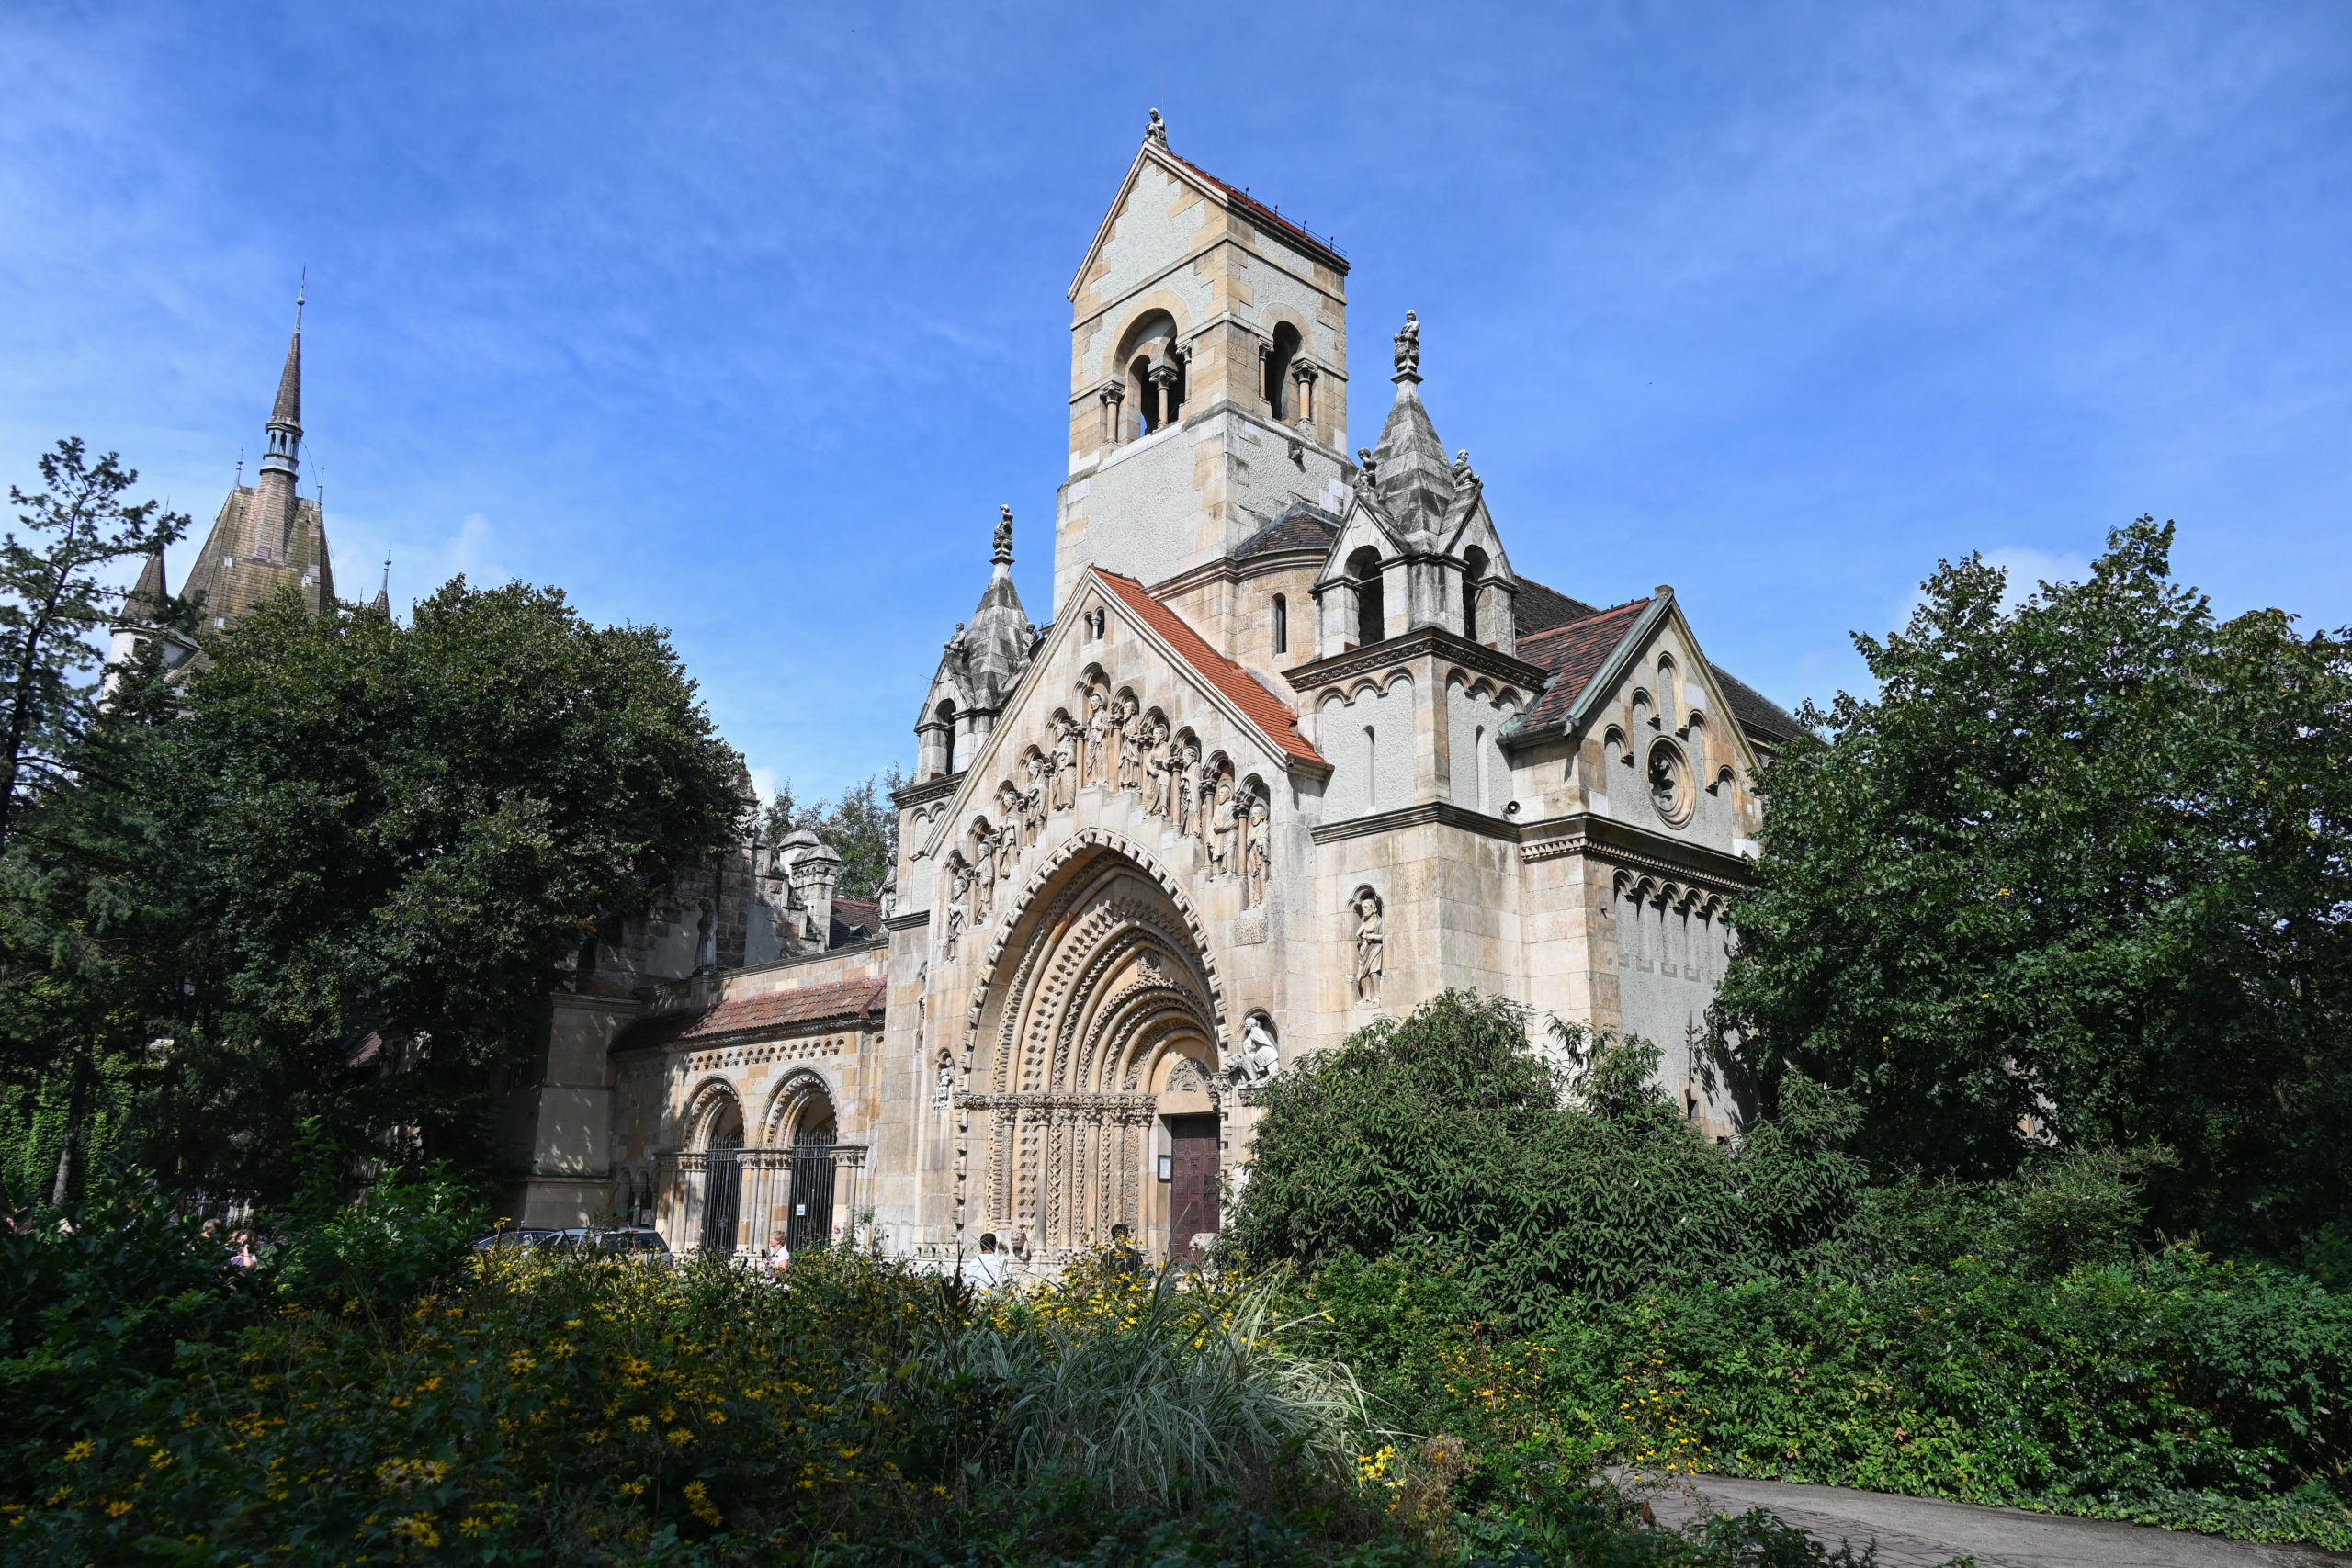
[1267,711]
[767,1010]
[1573,653]
[1267,217]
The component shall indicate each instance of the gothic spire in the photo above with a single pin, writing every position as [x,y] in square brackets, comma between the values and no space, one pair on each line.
[146,600]
[286,414]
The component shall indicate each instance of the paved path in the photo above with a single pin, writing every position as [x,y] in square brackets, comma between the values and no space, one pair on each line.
[1922,1532]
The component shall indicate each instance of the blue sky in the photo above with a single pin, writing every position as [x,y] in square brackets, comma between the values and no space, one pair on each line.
[741,319]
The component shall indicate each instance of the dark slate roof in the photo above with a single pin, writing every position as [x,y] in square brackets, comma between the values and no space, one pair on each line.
[854,920]
[1538,608]
[288,409]
[1303,527]
[1753,708]
[1573,653]
[1411,473]
[767,1010]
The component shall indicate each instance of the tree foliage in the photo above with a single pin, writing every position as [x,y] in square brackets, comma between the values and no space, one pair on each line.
[861,827]
[341,878]
[52,608]
[2077,877]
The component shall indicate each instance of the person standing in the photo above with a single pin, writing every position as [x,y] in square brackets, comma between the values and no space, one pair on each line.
[986,1269]
[1125,1258]
[779,1256]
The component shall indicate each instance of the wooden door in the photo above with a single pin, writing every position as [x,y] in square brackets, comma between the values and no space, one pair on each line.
[1193,1191]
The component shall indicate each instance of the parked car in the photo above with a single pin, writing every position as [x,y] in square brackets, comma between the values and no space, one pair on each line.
[525,1239]
[636,1241]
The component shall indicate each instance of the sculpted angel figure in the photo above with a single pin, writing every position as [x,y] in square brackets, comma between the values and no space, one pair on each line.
[1371,947]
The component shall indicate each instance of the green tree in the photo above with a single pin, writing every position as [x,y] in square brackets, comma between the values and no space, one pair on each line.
[392,841]
[861,827]
[52,608]
[2076,877]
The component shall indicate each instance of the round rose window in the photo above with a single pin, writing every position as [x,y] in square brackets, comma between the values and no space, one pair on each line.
[1670,781]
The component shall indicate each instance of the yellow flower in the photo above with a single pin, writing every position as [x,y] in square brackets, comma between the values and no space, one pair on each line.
[80,1451]
[117,1508]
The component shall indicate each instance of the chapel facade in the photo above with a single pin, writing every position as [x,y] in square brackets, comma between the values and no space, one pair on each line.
[1297,749]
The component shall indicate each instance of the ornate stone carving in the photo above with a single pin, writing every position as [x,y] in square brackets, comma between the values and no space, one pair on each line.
[1155,130]
[1003,552]
[1256,851]
[1408,349]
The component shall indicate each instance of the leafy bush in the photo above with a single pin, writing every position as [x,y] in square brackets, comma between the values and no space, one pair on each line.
[1450,1124]
[405,1236]
[2176,1390]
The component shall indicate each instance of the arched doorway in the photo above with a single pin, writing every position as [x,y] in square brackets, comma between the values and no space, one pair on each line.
[1094,1057]
[797,1164]
[719,1225]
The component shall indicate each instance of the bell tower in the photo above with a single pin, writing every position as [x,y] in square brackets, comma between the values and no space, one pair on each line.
[1208,375]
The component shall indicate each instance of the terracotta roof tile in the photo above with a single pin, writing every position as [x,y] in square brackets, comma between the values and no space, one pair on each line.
[1267,712]
[1266,217]
[1573,653]
[767,1010]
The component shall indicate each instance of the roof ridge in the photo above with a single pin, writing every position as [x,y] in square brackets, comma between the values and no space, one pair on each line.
[1243,199]
[1586,620]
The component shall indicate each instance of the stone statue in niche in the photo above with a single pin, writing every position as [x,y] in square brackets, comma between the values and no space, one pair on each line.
[1221,825]
[1258,1055]
[1033,799]
[956,914]
[983,875]
[1008,847]
[1257,853]
[1095,763]
[1372,946]
[1127,735]
[1161,764]
[943,1092]
[1188,788]
[1115,744]
[1063,771]
[1665,784]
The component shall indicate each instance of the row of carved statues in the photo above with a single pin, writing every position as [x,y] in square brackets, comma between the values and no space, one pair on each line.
[1119,746]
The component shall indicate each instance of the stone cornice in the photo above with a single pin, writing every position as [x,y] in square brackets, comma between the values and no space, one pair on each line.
[1444,813]
[1228,569]
[923,793]
[1421,642]
[1583,833]
[1605,838]
[907,922]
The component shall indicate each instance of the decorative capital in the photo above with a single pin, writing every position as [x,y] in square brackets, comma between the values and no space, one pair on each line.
[1003,554]
[1304,372]
[1114,391]
[1408,350]
[1155,130]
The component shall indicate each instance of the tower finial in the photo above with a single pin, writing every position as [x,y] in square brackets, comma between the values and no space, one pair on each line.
[1408,350]
[1156,130]
[286,413]
[301,291]
[1003,552]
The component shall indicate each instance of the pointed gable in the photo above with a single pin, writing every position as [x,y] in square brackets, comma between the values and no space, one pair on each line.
[1166,175]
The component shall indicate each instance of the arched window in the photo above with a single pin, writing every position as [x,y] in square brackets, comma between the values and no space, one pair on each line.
[1371,614]
[946,716]
[1474,568]
[1282,625]
[1155,370]
[1279,357]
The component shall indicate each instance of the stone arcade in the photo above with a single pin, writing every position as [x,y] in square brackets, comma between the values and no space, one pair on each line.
[1299,749]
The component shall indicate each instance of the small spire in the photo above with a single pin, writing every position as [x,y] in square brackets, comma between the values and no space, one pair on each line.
[1156,130]
[1408,350]
[146,600]
[1002,555]
[286,413]
[384,594]
[241,465]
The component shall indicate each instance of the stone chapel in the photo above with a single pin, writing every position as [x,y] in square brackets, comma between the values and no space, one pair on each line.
[1298,748]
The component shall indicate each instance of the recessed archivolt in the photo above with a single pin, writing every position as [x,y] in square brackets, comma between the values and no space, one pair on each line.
[707,1107]
[1051,871]
[802,1091]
